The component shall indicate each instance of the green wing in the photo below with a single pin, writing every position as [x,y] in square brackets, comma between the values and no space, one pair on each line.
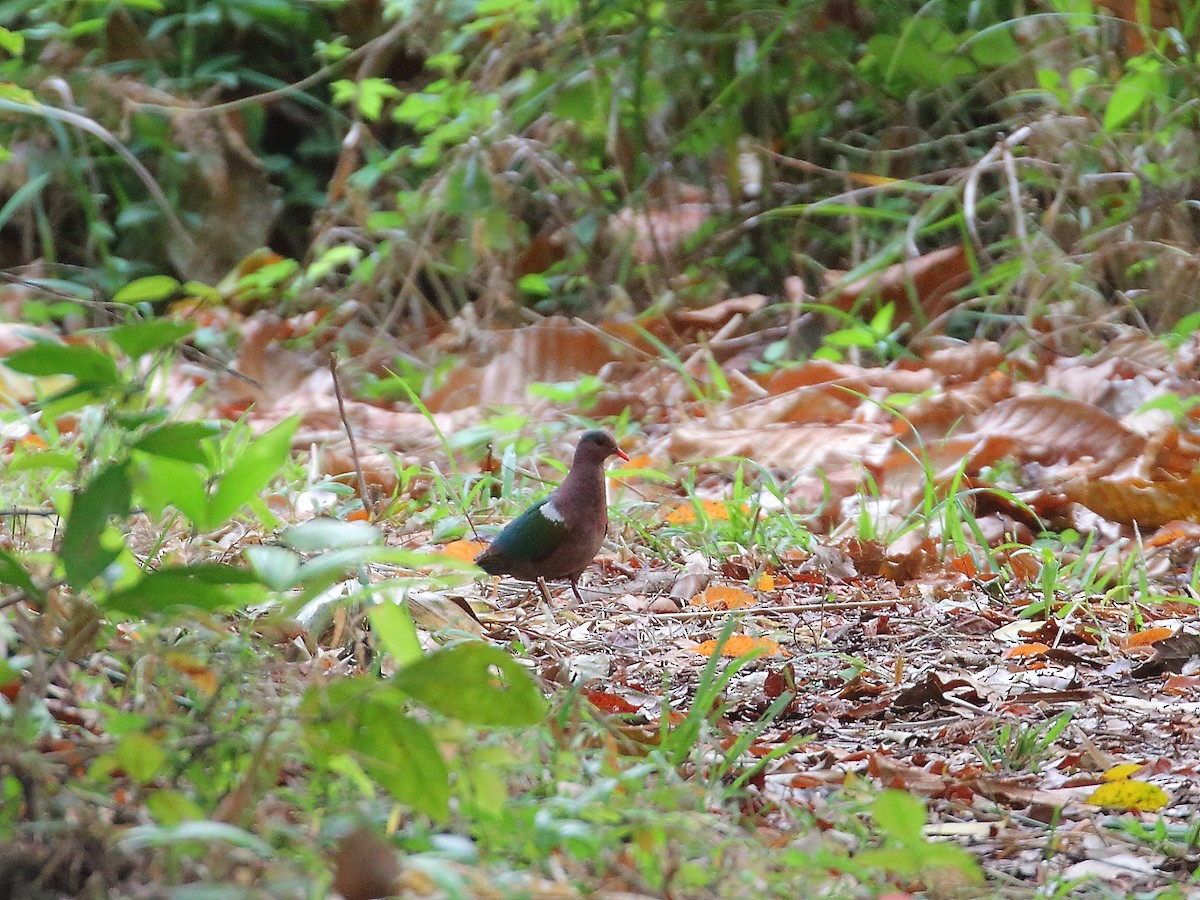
[531,535]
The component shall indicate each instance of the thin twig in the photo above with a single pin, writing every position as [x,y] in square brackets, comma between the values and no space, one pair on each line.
[368,501]
[760,610]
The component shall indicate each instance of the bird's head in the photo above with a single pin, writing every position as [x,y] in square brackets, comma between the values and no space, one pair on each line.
[597,446]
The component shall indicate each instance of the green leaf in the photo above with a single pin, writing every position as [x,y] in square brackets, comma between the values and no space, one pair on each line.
[259,462]
[161,482]
[22,195]
[331,534]
[203,835]
[178,440]
[84,554]
[13,573]
[12,42]
[87,365]
[140,338]
[900,815]
[475,683]
[45,459]
[1127,98]
[207,586]
[393,625]
[150,289]
[171,808]
[140,756]
[357,718]
[277,567]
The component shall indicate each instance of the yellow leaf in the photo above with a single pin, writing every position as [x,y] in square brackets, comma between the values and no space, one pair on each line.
[1123,771]
[720,596]
[766,582]
[1129,795]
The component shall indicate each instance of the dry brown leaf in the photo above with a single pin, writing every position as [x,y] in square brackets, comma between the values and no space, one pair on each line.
[551,351]
[1147,504]
[930,277]
[965,362]
[658,231]
[716,315]
[824,447]
[1051,430]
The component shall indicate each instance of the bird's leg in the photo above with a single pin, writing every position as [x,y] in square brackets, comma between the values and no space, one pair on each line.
[575,588]
[546,602]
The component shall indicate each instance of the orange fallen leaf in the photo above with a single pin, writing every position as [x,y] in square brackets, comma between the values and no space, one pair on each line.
[721,596]
[685,513]
[741,645]
[713,509]
[637,461]
[1149,636]
[766,582]
[1033,649]
[464,550]
[200,675]
[359,515]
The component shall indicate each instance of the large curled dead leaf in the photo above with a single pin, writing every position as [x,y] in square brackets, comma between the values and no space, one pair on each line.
[928,278]
[554,350]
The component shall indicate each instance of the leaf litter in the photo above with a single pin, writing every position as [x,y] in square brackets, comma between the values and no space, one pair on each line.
[905,612]
[899,647]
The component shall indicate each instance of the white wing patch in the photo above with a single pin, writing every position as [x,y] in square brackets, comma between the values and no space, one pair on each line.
[551,512]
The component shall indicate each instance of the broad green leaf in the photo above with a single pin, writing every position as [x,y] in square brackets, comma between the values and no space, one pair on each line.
[401,755]
[140,756]
[1127,98]
[335,562]
[12,42]
[259,462]
[393,625]
[171,808]
[358,718]
[86,364]
[208,586]
[900,815]
[475,683]
[331,534]
[277,567]
[182,441]
[13,573]
[150,289]
[161,482]
[139,338]
[203,835]
[84,554]
[201,291]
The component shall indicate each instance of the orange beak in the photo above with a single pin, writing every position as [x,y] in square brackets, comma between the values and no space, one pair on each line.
[621,453]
